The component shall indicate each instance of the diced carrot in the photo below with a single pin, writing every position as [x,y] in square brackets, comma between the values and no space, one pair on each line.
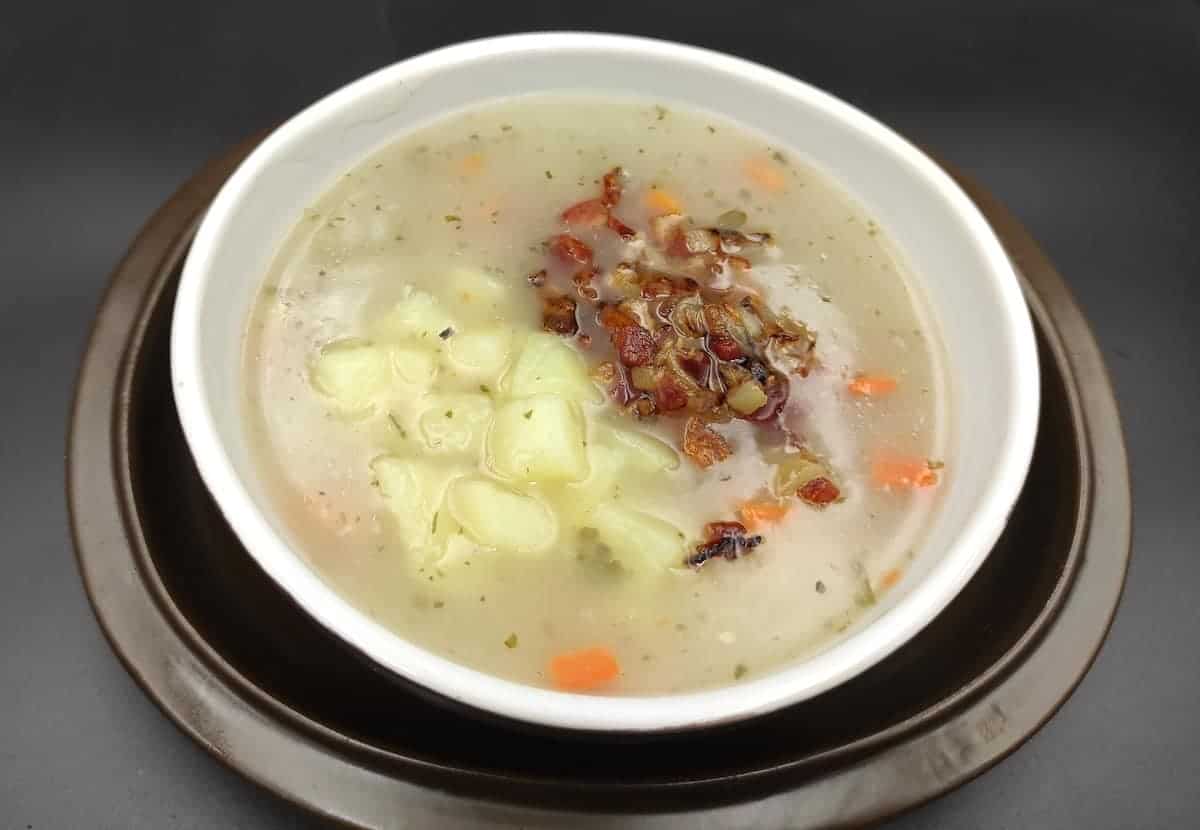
[872,386]
[765,173]
[755,514]
[889,470]
[471,164]
[661,203]
[581,671]
[890,578]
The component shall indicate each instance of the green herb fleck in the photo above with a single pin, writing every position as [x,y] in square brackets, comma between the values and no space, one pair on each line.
[446,333]
[437,603]
[528,414]
[739,671]
[396,424]
[935,465]
[820,587]
[779,157]
[510,641]
[450,217]
[711,128]
[504,128]
[449,413]
[549,175]
[485,389]
[433,528]
[660,112]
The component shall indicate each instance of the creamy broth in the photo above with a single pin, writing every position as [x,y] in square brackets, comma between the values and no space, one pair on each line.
[467,479]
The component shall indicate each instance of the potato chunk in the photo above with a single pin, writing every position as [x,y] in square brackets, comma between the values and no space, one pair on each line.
[480,355]
[640,450]
[355,375]
[413,490]
[456,423]
[495,516]
[417,316]
[538,439]
[548,365]
[477,294]
[637,540]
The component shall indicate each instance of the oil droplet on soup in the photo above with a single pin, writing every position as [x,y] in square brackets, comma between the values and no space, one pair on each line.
[598,394]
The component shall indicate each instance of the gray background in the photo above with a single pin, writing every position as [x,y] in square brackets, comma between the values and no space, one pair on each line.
[1084,118]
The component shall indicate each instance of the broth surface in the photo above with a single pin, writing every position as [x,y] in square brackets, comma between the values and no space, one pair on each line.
[447,224]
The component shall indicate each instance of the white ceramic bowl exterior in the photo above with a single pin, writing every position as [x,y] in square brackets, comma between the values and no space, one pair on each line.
[962,271]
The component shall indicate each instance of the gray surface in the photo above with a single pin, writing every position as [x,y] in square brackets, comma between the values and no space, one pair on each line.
[1086,121]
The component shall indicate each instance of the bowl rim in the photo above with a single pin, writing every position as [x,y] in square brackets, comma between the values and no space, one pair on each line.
[775,689]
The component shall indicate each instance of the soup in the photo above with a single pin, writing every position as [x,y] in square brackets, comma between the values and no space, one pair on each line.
[597,394]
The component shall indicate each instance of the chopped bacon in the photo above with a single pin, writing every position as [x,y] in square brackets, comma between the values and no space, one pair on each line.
[723,540]
[671,395]
[558,315]
[614,317]
[695,363]
[569,249]
[620,228]
[588,213]
[634,345]
[613,187]
[819,492]
[702,445]
[724,347]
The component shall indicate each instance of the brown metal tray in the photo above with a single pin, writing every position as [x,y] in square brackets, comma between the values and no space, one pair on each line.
[243,671]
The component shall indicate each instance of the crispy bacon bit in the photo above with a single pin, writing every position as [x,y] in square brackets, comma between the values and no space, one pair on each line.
[696,364]
[569,249]
[725,348]
[537,279]
[613,318]
[620,228]
[613,187]
[724,540]
[558,315]
[703,446]
[634,345]
[588,213]
[583,283]
[819,492]
[671,395]
[643,407]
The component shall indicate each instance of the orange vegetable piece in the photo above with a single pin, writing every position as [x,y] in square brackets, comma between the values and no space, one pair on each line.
[660,202]
[755,514]
[765,173]
[890,578]
[581,671]
[872,386]
[471,164]
[895,471]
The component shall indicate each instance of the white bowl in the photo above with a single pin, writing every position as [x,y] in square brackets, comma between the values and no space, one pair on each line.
[961,268]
